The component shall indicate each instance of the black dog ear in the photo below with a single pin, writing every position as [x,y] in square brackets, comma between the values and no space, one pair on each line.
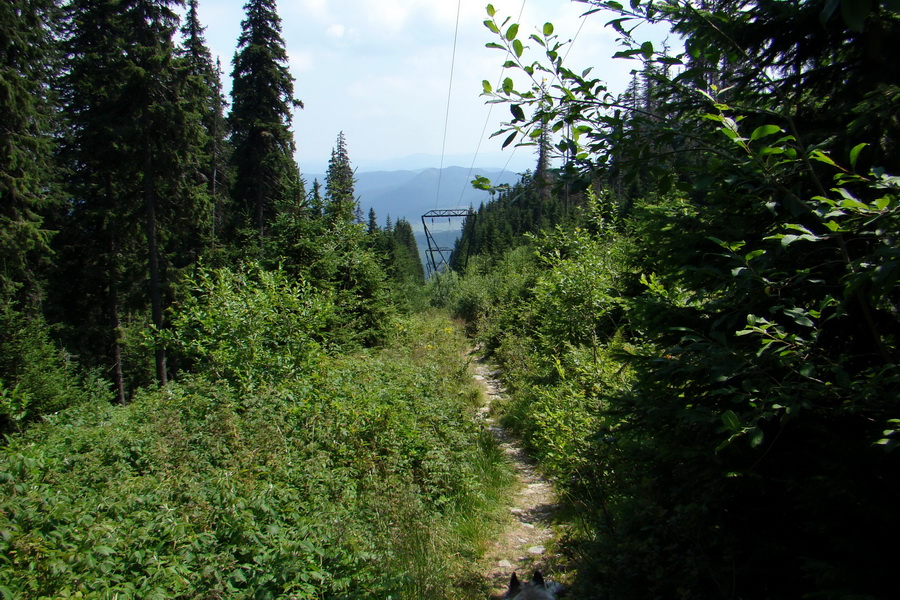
[538,579]
[514,584]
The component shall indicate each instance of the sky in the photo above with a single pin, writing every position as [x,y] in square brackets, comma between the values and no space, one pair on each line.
[380,71]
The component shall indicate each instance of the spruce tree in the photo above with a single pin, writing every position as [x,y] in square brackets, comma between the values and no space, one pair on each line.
[340,199]
[26,167]
[316,202]
[132,151]
[204,90]
[262,100]
[407,262]
[372,227]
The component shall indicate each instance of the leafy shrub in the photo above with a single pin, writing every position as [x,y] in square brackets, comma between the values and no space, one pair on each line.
[492,291]
[578,296]
[331,256]
[753,453]
[248,326]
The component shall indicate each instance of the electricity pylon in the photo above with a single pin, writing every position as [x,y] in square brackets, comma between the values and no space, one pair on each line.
[438,257]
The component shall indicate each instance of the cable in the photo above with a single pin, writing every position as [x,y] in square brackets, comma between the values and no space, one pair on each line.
[437,197]
[488,120]
[571,43]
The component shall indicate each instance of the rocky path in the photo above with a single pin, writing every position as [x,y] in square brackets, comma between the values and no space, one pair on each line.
[527,543]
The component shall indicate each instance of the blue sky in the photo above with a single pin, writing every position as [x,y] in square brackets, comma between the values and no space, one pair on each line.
[379,70]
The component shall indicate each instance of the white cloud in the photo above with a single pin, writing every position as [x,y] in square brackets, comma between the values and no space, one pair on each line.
[314,8]
[380,70]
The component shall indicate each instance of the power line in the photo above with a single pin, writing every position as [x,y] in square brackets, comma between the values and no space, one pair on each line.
[572,43]
[555,79]
[447,112]
[490,106]
[487,119]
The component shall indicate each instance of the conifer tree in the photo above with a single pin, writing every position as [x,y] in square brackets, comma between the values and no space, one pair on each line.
[132,152]
[204,90]
[407,263]
[340,199]
[262,100]
[26,69]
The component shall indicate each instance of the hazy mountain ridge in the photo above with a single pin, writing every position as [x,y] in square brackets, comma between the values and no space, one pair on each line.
[411,193]
[512,161]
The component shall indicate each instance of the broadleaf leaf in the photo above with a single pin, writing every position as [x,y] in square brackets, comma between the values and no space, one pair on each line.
[763,131]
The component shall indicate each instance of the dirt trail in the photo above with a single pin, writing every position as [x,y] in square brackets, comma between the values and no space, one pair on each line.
[528,541]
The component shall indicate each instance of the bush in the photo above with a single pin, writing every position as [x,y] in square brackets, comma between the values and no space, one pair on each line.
[248,326]
[36,377]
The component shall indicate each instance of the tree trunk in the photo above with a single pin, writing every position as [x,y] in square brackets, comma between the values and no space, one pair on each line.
[112,299]
[153,251]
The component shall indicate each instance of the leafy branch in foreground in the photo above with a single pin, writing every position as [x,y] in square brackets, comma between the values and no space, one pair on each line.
[754,454]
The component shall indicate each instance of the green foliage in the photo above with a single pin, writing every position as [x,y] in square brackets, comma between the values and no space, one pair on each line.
[262,101]
[399,253]
[577,299]
[490,290]
[203,91]
[502,223]
[740,406]
[332,255]
[27,61]
[552,312]
[359,479]
[250,326]
[340,199]
[356,277]
[36,377]
[321,241]
[137,210]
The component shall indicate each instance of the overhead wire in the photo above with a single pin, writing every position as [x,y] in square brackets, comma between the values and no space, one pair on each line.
[487,119]
[556,78]
[490,106]
[449,94]
[499,81]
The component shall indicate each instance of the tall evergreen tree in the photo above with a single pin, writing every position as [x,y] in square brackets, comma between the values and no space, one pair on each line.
[205,91]
[132,152]
[26,68]
[262,100]
[407,262]
[316,202]
[340,199]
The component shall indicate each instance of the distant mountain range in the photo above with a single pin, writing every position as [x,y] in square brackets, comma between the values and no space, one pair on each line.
[514,160]
[410,194]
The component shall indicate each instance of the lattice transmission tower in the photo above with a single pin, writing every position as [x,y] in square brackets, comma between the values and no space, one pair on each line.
[437,256]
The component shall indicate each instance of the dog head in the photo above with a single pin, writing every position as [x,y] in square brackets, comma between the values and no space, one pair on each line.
[535,589]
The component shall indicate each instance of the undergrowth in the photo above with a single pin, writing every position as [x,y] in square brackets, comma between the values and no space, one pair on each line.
[360,476]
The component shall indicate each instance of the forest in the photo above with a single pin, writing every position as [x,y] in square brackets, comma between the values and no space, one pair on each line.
[220,380]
